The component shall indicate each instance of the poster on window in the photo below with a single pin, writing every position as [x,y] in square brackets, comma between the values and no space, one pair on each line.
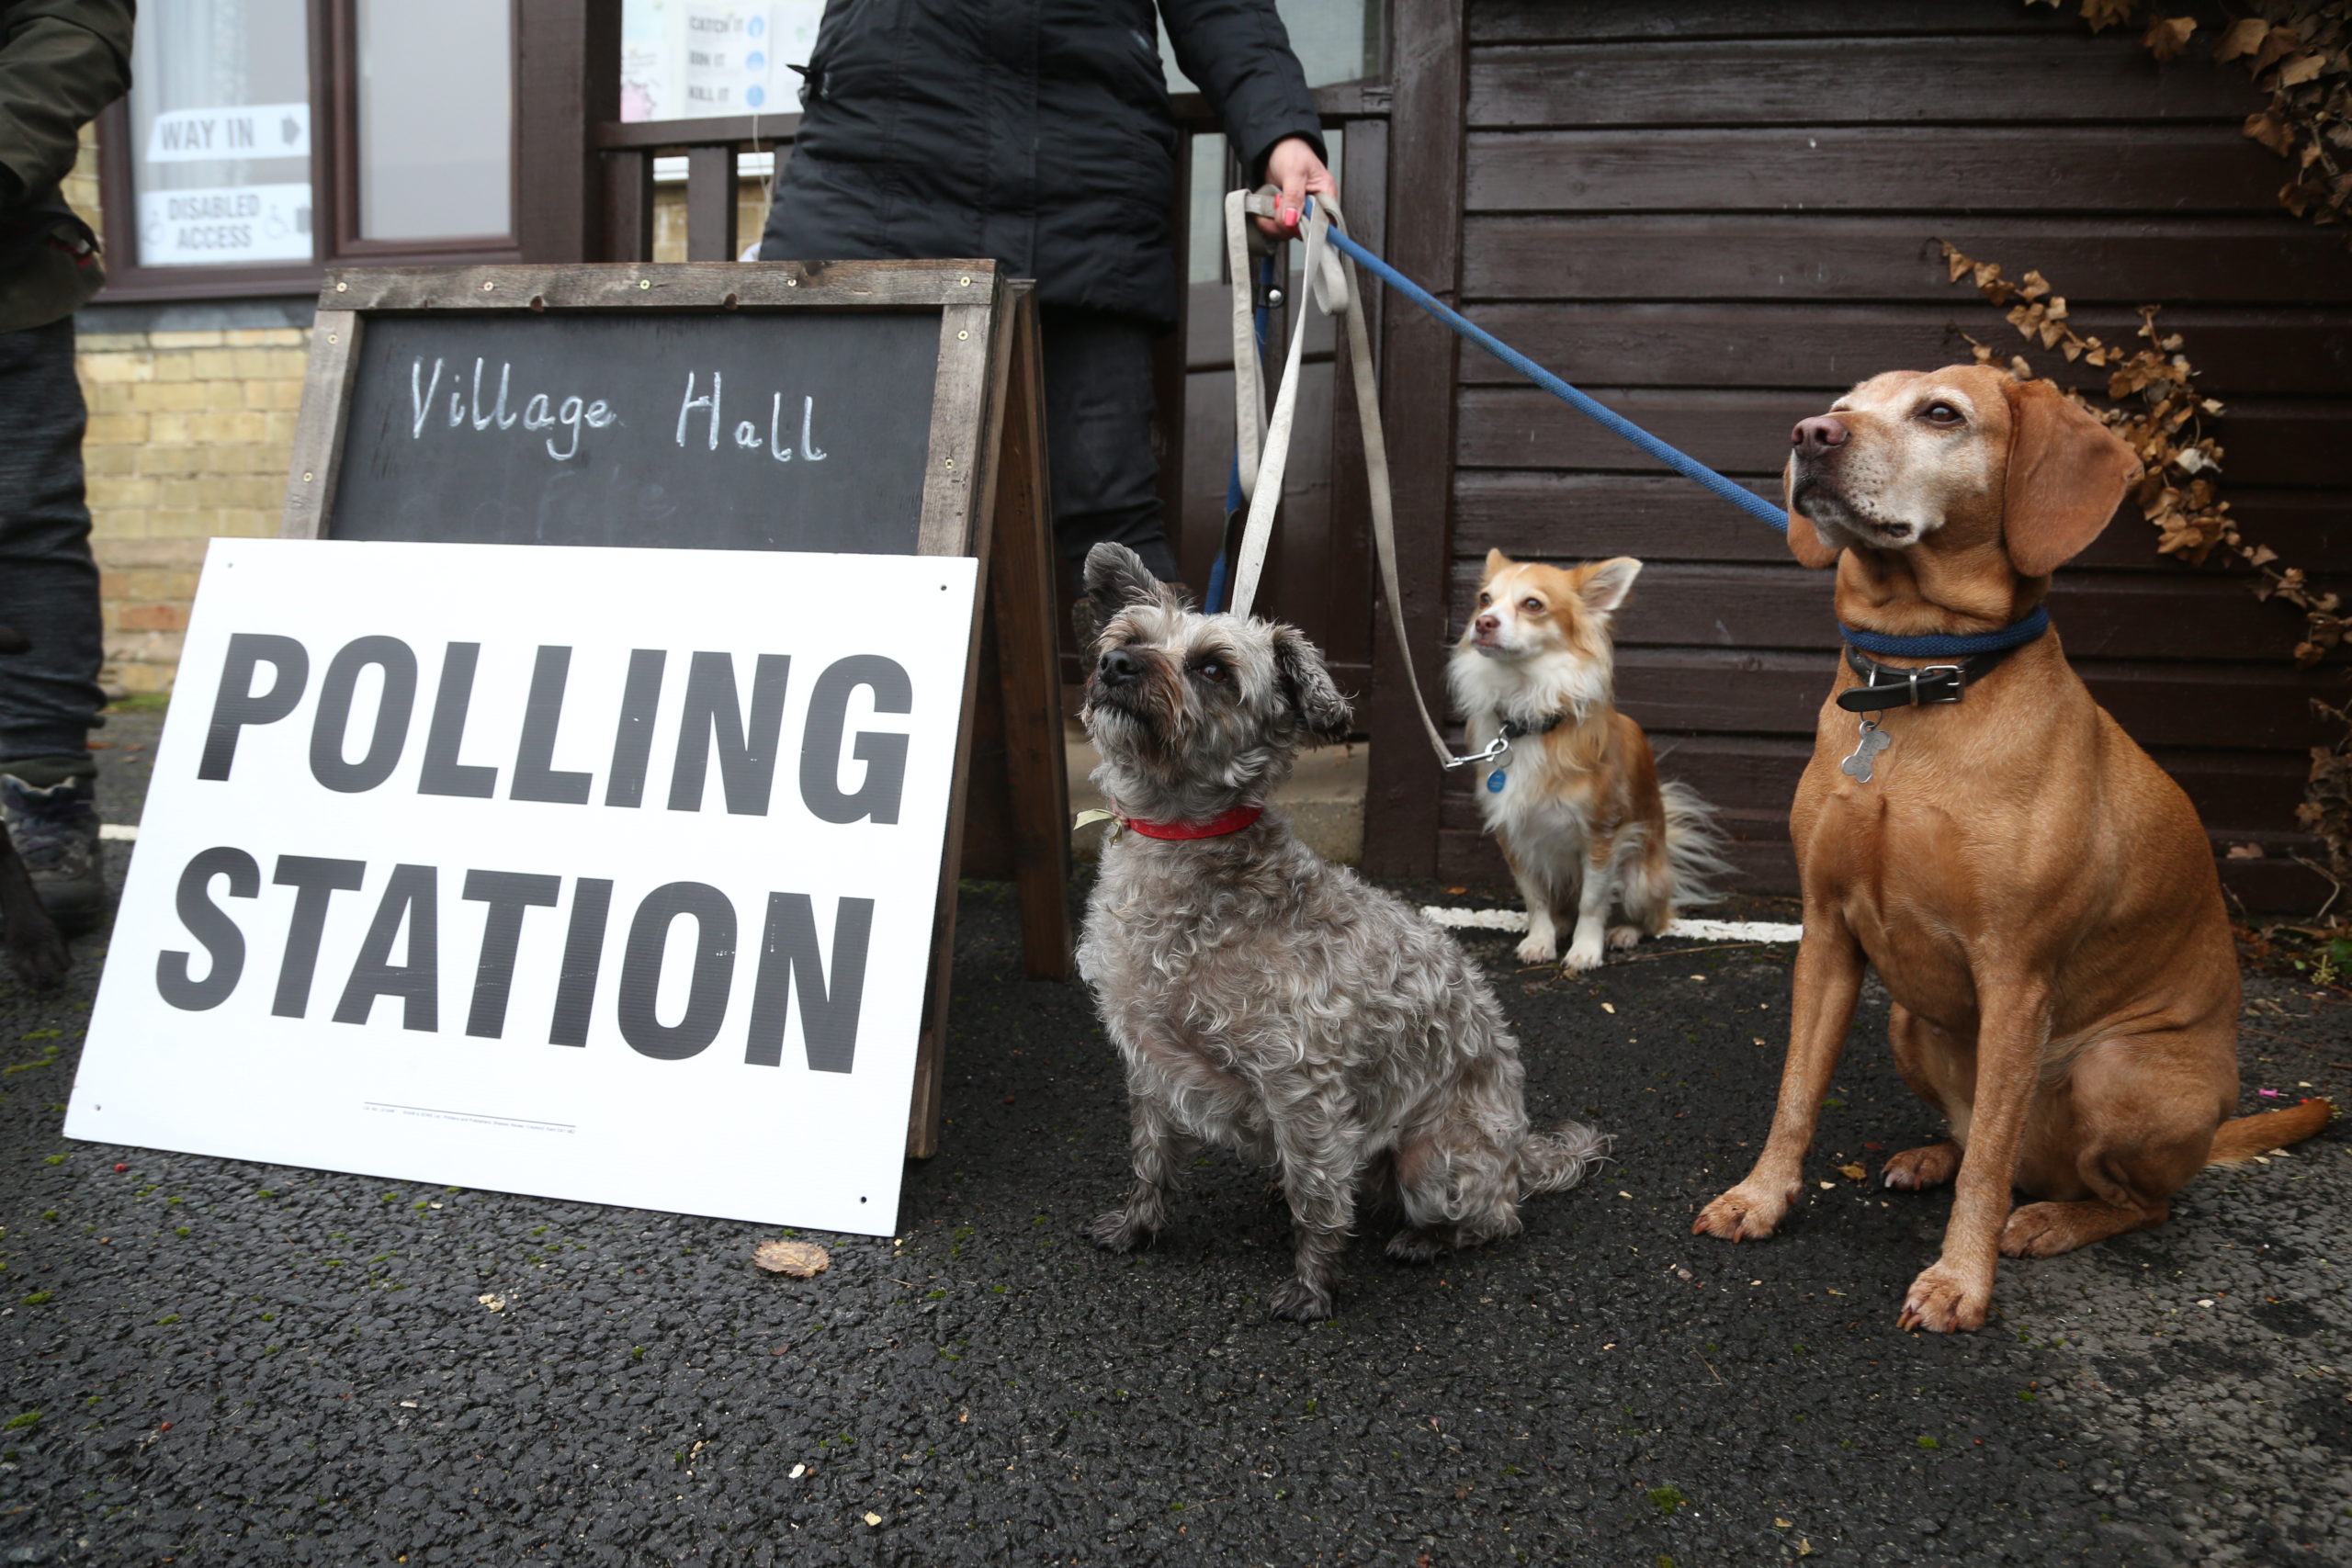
[255,130]
[213,224]
[686,59]
[598,874]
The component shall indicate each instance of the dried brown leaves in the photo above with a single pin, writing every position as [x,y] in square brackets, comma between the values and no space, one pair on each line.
[2326,808]
[2155,406]
[2299,52]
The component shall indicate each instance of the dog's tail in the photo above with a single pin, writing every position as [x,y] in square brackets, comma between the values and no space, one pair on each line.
[1694,847]
[2243,1137]
[1557,1161]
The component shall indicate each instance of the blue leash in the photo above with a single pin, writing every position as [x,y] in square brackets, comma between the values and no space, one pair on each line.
[1609,419]
[1940,646]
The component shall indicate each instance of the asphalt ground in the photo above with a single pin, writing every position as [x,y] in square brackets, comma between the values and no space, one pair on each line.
[211,1362]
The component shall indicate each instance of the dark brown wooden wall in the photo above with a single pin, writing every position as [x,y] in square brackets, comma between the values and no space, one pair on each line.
[1717,215]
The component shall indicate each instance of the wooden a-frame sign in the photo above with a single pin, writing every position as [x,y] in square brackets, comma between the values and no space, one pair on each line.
[936,360]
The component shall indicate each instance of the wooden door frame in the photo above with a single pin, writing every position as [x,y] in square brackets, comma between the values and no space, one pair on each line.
[1427,47]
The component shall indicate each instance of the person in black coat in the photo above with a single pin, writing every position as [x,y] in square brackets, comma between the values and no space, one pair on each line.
[1038,132]
[61,62]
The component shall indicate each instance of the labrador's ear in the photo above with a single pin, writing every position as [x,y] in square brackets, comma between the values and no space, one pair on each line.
[1322,712]
[1804,540]
[2067,474]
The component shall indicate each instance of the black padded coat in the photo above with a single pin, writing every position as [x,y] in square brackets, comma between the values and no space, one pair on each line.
[61,62]
[1036,133]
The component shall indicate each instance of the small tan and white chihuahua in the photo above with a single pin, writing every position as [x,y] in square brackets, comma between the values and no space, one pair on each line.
[1576,801]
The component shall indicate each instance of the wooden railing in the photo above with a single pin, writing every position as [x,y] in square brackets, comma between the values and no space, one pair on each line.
[712,148]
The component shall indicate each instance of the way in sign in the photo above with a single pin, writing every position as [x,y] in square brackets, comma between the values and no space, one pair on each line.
[484,401]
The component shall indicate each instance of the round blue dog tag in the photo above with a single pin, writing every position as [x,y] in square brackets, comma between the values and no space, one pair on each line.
[1494,782]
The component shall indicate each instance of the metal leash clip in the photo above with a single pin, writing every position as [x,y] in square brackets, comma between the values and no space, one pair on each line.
[1495,748]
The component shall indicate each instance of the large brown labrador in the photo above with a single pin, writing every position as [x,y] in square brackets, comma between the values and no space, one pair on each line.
[2037,894]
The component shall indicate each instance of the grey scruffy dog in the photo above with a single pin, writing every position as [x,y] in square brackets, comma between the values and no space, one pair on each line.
[1265,1000]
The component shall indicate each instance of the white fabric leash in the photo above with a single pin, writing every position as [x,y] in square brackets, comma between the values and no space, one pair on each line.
[1249,394]
[1265,494]
[1339,293]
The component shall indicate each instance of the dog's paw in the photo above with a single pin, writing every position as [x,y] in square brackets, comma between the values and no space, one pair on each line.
[1300,1301]
[40,961]
[1119,1231]
[1582,954]
[2045,1230]
[1622,937]
[1420,1244]
[1537,949]
[1945,1301]
[1749,1211]
[1914,1171]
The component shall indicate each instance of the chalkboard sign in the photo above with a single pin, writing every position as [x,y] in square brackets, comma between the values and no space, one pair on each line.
[886,408]
[754,431]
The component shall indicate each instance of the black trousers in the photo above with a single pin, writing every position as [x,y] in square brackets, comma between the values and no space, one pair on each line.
[49,583]
[1098,437]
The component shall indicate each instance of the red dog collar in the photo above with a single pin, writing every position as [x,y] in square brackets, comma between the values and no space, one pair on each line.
[1216,827]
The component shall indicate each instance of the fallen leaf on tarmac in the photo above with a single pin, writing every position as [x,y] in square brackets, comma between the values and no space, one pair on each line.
[801,1260]
[1828,1187]
[1607,1007]
[495,1303]
[1856,1171]
[1804,1546]
[1781,1524]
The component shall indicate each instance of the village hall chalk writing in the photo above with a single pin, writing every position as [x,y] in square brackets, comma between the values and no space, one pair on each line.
[540,410]
[717,430]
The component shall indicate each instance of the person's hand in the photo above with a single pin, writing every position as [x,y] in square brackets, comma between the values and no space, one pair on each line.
[1293,166]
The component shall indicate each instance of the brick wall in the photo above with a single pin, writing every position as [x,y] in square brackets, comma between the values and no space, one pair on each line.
[190,433]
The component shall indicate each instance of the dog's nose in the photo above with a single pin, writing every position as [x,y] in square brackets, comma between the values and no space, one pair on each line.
[1819,433]
[1485,623]
[1119,668]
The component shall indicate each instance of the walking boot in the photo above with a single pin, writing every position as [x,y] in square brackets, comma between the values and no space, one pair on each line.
[55,829]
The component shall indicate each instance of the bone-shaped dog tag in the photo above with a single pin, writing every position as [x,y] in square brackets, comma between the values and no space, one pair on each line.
[1866,750]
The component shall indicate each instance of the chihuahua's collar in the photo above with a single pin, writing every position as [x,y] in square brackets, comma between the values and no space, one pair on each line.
[1216,827]
[1513,729]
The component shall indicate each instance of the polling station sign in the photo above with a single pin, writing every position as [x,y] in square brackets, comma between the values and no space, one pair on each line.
[604,875]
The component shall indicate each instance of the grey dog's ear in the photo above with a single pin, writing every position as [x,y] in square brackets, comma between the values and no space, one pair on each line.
[1322,710]
[1116,577]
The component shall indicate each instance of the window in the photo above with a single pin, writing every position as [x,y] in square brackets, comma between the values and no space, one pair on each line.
[435,102]
[219,128]
[265,138]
